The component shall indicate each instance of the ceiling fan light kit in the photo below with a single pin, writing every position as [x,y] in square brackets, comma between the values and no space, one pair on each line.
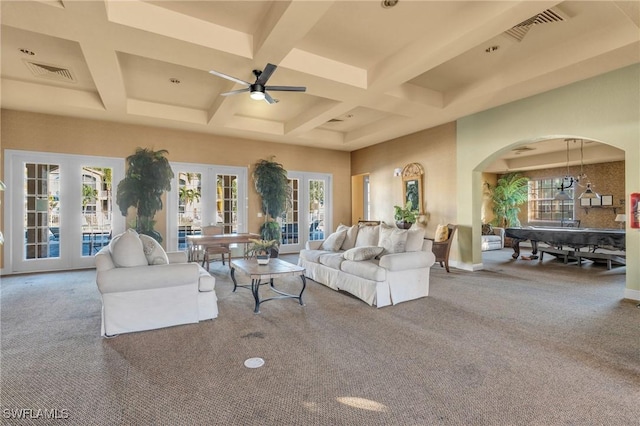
[258,89]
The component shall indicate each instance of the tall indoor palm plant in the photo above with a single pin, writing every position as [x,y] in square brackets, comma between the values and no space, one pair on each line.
[272,184]
[148,177]
[510,192]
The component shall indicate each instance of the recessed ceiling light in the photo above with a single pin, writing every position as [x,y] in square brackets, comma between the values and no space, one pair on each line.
[174,80]
[491,49]
[27,52]
[387,4]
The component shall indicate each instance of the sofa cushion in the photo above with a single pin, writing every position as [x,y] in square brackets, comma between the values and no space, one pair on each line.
[415,238]
[331,260]
[368,236]
[442,233]
[334,241]
[492,238]
[312,255]
[393,240]
[126,250]
[369,270]
[362,253]
[153,251]
[352,233]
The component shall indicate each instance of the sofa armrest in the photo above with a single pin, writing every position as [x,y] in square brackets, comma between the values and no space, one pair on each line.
[407,260]
[177,256]
[314,244]
[147,277]
[499,232]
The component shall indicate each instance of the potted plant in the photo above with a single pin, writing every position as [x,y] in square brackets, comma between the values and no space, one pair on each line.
[262,250]
[272,184]
[148,176]
[510,192]
[405,216]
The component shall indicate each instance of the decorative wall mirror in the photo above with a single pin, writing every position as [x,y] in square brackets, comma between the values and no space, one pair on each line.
[412,185]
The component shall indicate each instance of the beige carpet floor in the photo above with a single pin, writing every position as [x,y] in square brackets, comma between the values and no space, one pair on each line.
[520,343]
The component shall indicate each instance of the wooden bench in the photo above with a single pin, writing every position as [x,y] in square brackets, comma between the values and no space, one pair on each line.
[559,253]
[609,258]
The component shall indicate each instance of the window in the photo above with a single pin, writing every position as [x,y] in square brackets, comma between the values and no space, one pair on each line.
[543,206]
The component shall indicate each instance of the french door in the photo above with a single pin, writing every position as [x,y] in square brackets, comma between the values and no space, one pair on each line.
[204,194]
[309,216]
[61,209]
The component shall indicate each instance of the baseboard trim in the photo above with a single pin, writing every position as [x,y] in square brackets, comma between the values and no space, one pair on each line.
[466,266]
[632,294]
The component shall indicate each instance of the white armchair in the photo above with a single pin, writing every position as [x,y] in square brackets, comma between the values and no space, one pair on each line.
[493,240]
[150,296]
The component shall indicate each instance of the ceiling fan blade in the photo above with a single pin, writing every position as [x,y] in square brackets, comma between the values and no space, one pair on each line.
[235,92]
[269,99]
[287,88]
[266,74]
[228,77]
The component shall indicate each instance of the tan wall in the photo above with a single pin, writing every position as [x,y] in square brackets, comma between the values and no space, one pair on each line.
[435,150]
[48,133]
[607,179]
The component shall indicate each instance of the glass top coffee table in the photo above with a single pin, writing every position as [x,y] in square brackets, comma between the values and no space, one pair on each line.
[264,274]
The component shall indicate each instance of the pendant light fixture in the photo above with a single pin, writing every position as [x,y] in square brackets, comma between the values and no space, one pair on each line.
[589,192]
[562,195]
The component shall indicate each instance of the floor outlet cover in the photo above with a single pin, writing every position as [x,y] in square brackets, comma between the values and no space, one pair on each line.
[254,363]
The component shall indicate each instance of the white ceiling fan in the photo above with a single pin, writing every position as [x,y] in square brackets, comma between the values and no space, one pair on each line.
[258,89]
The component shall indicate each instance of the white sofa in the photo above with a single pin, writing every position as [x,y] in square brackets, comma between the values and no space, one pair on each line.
[493,240]
[151,291]
[399,272]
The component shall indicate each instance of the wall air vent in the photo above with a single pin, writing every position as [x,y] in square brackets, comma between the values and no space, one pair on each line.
[548,16]
[51,72]
[522,149]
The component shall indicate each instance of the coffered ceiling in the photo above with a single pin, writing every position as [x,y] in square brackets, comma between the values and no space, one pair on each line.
[372,73]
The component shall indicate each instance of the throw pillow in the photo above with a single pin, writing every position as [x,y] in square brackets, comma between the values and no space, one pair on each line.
[393,240]
[415,238]
[442,233]
[362,253]
[153,251]
[334,241]
[367,236]
[126,250]
[350,239]
[487,229]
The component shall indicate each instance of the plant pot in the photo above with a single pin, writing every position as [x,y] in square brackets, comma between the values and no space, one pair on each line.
[403,224]
[262,259]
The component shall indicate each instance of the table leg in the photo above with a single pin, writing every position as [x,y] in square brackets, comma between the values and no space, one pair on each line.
[233,278]
[304,285]
[255,289]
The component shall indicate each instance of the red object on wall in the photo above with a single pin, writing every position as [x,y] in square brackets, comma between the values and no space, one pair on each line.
[634,213]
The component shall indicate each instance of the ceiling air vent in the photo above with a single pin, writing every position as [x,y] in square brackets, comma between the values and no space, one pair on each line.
[50,71]
[548,16]
[340,118]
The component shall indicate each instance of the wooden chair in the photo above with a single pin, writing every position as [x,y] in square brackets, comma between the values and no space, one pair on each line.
[214,250]
[442,249]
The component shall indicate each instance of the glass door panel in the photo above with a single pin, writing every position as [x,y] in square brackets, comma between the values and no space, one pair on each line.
[97,208]
[316,190]
[42,211]
[291,218]
[189,206]
[227,202]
